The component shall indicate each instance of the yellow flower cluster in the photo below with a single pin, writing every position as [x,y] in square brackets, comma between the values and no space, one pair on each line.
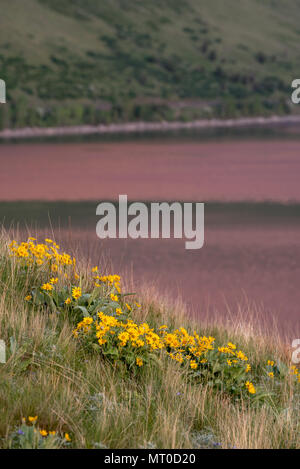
[41,253]
[295,371]
[124,335]
[230,349]
[84,325]
[31,419]
[46,256]
[251,389]
[42,432]
[181,345]
[111,280]
[76,293]
[139,361]
[47,287]
[117,334]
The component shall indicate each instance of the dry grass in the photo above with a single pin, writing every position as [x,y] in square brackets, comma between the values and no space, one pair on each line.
[100,405]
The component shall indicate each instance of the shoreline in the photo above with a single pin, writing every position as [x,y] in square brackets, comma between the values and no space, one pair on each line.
[144,127]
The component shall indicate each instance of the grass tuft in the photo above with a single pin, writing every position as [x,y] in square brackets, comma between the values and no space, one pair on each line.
[96,396]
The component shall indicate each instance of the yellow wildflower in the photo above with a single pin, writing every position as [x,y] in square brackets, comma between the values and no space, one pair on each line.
[231,346]
[47,287]
[87,320]
[193,364]
[250,387]
[123,338]
[294,370]
[241,356]
[76,292]
[33,419]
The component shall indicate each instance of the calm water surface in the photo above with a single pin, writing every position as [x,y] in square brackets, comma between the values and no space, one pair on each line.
[252,221]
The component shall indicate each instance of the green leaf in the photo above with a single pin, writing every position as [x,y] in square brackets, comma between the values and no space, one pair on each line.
[82,309]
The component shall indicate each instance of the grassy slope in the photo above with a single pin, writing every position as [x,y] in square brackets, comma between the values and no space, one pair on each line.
[71,390]
[122,52]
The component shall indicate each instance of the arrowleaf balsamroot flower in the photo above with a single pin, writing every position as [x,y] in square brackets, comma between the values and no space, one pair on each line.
[119,338]
[250,387]
[32,419]
[139,361]
[47,287]
[76,293]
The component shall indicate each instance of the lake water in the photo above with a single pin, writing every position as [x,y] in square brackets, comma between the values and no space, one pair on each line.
[251,255]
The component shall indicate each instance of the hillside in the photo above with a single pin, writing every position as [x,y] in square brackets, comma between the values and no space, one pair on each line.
[90,61]
[89,366]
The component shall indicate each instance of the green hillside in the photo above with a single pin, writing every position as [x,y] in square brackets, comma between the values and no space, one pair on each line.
[98,61]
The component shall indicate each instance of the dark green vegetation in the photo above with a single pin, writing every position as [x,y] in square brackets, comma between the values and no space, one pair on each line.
[34,215]
[69,62]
